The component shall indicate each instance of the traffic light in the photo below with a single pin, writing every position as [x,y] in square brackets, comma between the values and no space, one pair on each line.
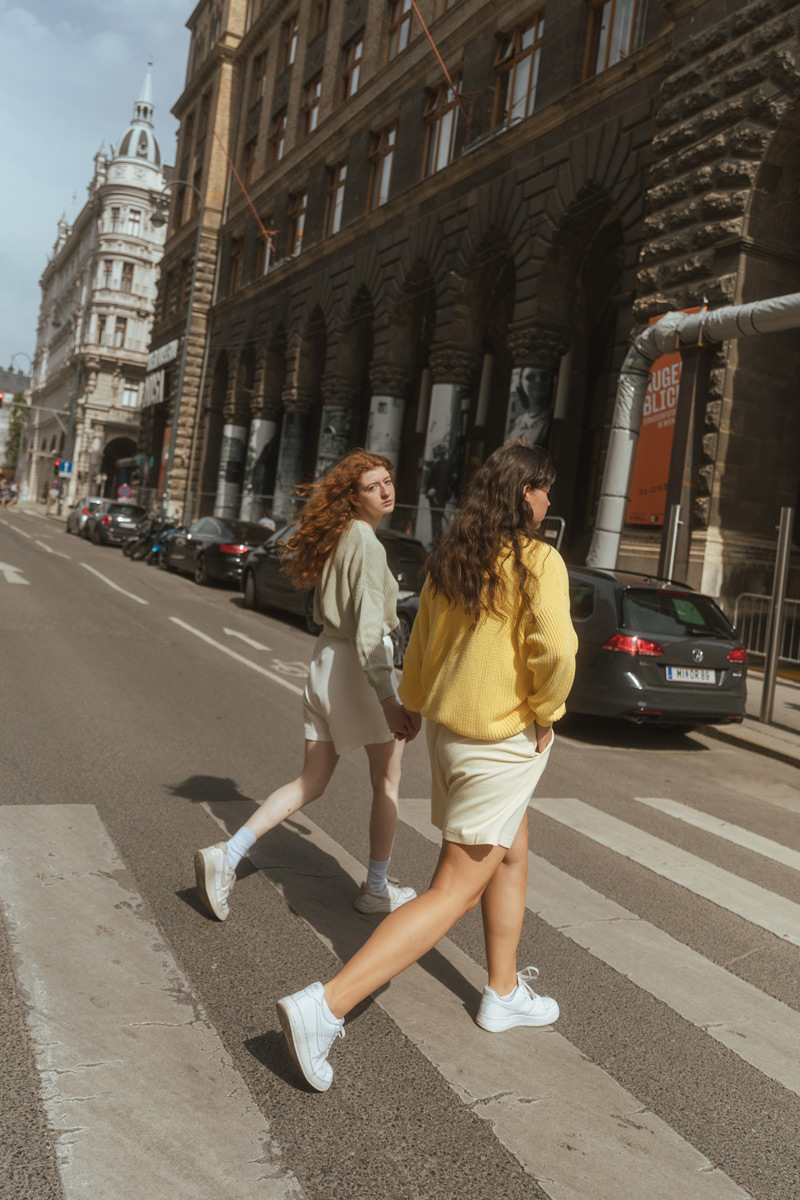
[3,400]
[56,465]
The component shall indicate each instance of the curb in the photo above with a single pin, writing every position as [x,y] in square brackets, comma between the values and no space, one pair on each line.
[754,743]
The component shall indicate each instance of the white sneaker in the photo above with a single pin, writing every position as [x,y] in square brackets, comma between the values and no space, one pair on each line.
[310,1034]
[522,1007]
[215,879]
[392,897]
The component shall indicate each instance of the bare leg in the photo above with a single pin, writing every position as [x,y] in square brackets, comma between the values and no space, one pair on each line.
[385,760]
[318,766]
[405,935]
[503,911]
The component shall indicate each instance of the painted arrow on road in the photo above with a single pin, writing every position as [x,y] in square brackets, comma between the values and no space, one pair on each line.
[245,638]
[12,574]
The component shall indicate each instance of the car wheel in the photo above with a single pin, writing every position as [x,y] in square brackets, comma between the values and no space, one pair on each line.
[250,590]
[311,624]
[400,637]
[201,571]
[95,536]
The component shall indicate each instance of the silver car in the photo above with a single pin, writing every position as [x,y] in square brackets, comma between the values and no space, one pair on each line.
[80,511]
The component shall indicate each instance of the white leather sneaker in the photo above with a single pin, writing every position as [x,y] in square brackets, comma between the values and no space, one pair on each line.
[310,1034]
[392,897]
[215,879]
[523,1007]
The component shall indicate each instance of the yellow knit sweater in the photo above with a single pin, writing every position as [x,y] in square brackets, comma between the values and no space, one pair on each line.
[492,682]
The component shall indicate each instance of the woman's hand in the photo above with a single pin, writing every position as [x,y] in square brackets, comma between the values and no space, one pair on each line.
[404,725]
[544,736]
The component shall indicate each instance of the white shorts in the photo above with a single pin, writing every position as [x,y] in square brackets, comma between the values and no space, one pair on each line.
[480,791]
[339,703]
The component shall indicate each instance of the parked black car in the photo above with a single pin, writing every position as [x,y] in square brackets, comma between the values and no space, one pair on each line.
[112,522]
[212,548]
[653,650]
[265,584]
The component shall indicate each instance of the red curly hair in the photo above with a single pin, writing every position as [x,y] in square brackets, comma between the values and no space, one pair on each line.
[325,514]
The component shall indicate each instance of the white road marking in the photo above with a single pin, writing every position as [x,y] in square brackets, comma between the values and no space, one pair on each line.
[115,586]
[136,1082]
[756,1027]
[723,829]
[235,633]
[747,900]
[619,1150]
[50,549]
[14,529]
[239,657]
[13,574]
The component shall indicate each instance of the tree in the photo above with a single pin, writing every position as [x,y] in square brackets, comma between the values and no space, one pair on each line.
[16,422]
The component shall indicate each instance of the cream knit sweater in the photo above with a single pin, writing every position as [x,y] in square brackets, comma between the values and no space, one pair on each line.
[492,682]
[356,599]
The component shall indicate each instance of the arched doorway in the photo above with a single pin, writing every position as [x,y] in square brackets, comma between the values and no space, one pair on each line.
[264,439]
[113,473]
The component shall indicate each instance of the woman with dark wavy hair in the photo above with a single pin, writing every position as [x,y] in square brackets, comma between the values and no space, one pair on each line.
[489,665]
[349,699]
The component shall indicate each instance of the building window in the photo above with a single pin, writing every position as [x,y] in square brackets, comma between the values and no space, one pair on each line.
[319,18]
[351,64]
[108,267]
[613,33]
[381,157]
[249,163]
[134,226]
[120,330]
[310,104]
[237,258]
[288,41]
[130,395]
[115,220]
[188,134]
[334,199]
[258,79]
[517,65]
[127,277]
[297,221]
[195,200]
[205,113]
[441,117]
[400,13]
[101,331]
[277,137]
[265,251]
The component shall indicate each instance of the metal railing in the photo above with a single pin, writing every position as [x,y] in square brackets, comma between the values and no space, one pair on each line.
[751,620]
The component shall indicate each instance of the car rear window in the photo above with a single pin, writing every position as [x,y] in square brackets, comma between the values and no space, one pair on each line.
[581,601]
[679,613]
[125,510]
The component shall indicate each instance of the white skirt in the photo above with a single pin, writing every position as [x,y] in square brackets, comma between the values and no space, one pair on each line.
[339,703]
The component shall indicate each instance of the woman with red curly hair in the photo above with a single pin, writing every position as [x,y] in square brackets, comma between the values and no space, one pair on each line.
[350,699]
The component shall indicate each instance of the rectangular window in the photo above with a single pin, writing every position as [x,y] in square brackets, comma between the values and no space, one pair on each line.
[130,395]
[334,199]
[277,137]
[205,113]
[127,277]
[249,163]
[613,33]
[101,331]
[265,251]
[297,221]
[237,256]
[400,13]
[351,64]
[108,267]
[441,117]
[288,42]
[258,78]
[134,226]
[120,330]
[319,19]
[309,105]
[115,220]
[188,134]
[195,196]
[381,158]
[517,66]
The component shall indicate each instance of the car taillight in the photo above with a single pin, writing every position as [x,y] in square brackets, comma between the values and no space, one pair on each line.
[233,549]
[625,643]
[105,520]
[85,512]
[739,655]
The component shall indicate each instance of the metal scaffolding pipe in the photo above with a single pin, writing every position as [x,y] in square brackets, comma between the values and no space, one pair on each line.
[674,331]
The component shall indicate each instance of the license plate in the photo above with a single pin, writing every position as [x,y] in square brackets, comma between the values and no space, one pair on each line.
[691,675]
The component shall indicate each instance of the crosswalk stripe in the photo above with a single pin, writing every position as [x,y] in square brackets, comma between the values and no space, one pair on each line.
[724,829]
[747,900]
[135,1080]
[619,1150]
[756,1027]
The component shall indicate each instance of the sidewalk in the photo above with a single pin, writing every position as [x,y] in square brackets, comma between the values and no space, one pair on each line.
[781,739]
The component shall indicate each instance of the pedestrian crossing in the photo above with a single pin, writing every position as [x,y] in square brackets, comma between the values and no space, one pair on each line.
[567,1121]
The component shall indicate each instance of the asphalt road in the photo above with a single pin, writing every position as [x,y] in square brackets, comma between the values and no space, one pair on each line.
[140,716]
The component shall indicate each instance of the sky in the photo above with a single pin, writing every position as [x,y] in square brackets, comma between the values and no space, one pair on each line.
[71,71]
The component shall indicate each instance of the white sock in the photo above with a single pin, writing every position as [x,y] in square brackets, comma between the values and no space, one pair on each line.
[376,875]
[242,841]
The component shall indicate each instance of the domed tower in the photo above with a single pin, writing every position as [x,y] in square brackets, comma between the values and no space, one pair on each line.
[138,144]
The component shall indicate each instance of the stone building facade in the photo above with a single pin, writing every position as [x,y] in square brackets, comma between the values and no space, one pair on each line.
[98,297]
[456,261]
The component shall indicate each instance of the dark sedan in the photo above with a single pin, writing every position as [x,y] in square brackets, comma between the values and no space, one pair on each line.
[264,583]
[653,650]
[213,548]
[112,522]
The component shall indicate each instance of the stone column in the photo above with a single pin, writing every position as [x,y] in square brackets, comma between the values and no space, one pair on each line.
[233,454]
[262,452]
[292,451]
[454,370]
[336,422]
[387,406]
[536,350]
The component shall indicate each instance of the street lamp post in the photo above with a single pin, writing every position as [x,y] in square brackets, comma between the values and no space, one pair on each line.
[159,218]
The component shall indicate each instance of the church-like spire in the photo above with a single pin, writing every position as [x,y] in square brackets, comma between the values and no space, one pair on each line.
[143,108]
[139,142]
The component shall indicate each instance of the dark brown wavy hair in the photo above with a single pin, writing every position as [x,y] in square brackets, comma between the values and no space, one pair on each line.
[322,519]
[463,565]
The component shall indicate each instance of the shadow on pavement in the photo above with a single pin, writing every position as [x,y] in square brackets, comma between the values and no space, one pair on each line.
[624,735]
